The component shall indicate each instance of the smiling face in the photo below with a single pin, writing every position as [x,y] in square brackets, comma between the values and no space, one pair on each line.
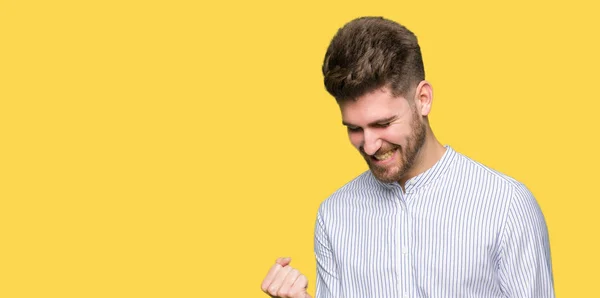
[388,131]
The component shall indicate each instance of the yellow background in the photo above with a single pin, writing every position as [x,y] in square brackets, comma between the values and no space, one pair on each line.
[176,148]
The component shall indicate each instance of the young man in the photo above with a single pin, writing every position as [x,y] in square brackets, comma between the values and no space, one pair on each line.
[425,220]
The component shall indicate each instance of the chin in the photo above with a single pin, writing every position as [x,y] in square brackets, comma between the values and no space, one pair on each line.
[387,177]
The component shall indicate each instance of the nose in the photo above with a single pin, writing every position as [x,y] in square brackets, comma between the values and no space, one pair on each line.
[371,143]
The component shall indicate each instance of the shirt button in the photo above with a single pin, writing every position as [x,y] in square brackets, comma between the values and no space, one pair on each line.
[404,251]
[405,295]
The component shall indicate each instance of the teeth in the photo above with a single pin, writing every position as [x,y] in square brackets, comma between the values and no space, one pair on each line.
[384,156]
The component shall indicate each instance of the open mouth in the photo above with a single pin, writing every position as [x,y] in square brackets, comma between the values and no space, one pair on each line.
[384,156]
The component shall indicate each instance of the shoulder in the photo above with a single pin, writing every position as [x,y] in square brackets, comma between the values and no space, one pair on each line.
[477,172]
[363,188]
[498,186]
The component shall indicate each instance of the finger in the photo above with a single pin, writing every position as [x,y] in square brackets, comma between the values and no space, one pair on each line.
[288,282]
[283,261]
[274,287]
[270,277]
[298,289]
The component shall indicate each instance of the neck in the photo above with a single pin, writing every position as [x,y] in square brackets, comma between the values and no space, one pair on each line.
[431,152]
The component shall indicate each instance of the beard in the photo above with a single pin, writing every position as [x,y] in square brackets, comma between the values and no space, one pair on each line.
[407,154]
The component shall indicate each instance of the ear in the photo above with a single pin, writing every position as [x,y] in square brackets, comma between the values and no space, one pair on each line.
[424,97]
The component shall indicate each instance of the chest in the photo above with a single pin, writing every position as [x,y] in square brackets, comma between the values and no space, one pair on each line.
[419,237]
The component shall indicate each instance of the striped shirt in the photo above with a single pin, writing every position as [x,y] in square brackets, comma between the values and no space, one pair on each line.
[459,230]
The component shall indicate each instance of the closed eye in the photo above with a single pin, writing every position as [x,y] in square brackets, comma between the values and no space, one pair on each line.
[382,125]
[353,128]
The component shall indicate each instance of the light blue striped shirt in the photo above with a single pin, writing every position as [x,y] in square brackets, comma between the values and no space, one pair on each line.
[460,230]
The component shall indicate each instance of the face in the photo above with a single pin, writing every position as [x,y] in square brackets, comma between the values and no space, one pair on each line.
[388,131]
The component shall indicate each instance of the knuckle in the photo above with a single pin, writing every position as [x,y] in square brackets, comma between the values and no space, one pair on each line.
[273,291]
[303,280]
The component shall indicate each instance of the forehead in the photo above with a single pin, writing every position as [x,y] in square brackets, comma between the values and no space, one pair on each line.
[372,106]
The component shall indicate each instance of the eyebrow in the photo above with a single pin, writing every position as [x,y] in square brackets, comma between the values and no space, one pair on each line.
[374,123]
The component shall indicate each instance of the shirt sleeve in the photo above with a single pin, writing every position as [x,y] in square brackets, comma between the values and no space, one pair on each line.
[328,285]
[525,267]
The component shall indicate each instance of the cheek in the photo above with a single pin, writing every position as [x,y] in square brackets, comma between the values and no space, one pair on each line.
[355,139]
[396,136]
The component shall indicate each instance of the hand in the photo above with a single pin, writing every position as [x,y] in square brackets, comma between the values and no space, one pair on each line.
[284,281]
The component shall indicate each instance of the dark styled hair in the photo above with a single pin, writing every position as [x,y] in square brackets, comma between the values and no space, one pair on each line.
[369,53]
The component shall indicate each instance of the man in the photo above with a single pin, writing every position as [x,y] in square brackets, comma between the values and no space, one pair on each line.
[425,220]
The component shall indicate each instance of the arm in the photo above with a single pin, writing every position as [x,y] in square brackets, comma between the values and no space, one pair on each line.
[525,267]
[327,271]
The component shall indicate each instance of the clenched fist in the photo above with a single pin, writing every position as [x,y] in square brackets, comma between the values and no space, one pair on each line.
[284,281]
